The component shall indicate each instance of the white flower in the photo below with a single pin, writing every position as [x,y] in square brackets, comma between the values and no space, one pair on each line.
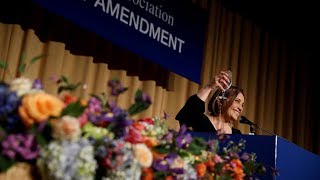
[177,163]
[67,160]
[21,85]
[66,128]
[143,154]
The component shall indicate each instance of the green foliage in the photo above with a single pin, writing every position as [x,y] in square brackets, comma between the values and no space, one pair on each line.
[5,163]
[3,64]
[162,149]
[138,106]
[2,133]
[252,166]
[197,145]
[66,85]
[23,64]
[36,58]
[40,135]
[74,109]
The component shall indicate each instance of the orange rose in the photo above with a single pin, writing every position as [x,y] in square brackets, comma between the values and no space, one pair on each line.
[39,107]
[201,169]
[210,164]
[236,168]
[83,102]
[147,174]
[151,142]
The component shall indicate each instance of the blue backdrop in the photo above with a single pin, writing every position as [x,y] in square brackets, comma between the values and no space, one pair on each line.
[167,32]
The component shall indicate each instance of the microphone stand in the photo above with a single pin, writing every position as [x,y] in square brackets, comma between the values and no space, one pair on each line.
[252,125]
[252,131]
[264,130]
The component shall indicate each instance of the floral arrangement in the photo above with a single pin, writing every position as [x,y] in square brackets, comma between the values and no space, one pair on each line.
[66,137]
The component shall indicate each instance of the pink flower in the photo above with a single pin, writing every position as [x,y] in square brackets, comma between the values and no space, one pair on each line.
[83,119]
[217,159]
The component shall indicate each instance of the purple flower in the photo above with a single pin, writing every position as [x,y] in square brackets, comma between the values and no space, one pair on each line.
[94,111]
[120,122]
[116,87]
[143,97]
[114,117]
[222,137]
[168,137]
[112,105]
[160,165]
[211,144]
[171,157]
[183,129]
[234,155]
[22,146]
[183,140]
[245,156]
[37,84]
[166,115]
[177,170]
[94,105]
[55,78]
[9,100]
[14,123]
[170,160]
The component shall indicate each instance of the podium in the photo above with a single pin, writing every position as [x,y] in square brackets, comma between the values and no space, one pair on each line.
[291,161]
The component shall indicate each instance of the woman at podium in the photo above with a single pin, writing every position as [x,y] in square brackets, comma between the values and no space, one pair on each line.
[224,107]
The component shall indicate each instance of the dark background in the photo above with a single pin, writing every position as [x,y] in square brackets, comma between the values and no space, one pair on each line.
[294,20]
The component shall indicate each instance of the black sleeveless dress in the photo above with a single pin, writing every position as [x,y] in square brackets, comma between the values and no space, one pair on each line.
[192,115]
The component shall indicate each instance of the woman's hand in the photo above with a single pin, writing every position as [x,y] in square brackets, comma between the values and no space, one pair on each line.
[220,81]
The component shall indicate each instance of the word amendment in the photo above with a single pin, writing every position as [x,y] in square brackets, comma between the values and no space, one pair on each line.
[140,23]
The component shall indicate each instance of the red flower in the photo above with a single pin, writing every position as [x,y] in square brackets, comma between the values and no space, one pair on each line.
[134,136]
[68,98]
[147,120]
[138,126]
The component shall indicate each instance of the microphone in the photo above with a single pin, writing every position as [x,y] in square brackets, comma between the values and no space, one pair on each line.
[244,120]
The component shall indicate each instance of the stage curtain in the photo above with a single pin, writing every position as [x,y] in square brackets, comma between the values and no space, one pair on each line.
[274,74]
